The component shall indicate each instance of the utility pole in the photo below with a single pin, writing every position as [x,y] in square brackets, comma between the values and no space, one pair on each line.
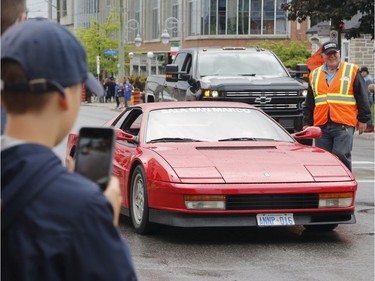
[121,42]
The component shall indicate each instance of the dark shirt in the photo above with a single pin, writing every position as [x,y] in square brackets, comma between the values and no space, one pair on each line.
[65,232]
[360,95]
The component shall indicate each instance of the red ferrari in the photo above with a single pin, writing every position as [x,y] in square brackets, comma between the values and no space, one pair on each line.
[213,164]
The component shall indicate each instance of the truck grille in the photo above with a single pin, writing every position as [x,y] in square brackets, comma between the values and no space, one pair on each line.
[272,201]
[261,93]
[267,100]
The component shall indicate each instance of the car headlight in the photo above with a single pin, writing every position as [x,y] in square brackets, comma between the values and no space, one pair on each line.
[304,93]
[205,202]
[335,200]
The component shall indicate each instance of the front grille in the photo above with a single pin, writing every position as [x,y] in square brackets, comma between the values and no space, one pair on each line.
[272,201]
[262,93]
[288,100]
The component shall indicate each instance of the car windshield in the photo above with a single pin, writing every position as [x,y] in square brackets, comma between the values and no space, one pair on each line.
[245,64]
[197,124]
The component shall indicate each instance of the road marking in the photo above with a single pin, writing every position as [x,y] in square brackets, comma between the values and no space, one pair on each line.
[363,162]
[366,181]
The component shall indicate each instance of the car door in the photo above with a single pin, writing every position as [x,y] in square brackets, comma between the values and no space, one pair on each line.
[126,151]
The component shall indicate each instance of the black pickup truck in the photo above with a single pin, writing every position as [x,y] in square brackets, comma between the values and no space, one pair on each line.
[250,75]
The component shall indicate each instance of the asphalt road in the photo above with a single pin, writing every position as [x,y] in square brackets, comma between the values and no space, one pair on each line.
[271,254]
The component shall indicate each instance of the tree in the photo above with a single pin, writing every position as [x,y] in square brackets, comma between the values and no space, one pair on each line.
[289,53]
[335,10]
[100,37]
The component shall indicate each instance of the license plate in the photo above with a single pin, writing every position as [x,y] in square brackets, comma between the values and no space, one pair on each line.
[275,219]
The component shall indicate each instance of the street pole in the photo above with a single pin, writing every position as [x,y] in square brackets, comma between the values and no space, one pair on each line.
[121,43]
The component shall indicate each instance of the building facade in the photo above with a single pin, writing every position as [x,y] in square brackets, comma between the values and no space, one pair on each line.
[188,23]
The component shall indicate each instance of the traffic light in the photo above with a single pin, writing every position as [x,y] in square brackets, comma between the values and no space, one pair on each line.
[341,25]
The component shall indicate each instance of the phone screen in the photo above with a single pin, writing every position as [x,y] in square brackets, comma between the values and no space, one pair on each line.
[94,154]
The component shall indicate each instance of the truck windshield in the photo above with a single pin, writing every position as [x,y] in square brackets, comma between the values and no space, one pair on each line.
[244,64]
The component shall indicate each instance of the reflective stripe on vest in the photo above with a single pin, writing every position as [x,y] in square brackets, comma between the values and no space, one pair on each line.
[337,99]
[341,97]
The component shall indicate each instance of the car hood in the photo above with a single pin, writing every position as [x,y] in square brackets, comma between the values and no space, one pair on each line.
[221,82]
[263,163]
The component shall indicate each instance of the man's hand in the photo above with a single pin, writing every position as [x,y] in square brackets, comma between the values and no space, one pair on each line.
[113,194]
[305,127]
[69,163]
[361,127]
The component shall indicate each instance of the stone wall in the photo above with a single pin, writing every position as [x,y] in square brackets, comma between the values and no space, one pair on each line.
[362,52]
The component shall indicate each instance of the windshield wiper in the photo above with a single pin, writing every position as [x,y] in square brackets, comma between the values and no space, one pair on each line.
[250,74]
[173,140]
[239,139]
[247,139]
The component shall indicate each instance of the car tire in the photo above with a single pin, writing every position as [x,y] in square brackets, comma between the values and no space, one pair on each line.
[321,227]
[139,211]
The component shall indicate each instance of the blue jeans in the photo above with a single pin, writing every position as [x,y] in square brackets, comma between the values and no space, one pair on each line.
[337,139]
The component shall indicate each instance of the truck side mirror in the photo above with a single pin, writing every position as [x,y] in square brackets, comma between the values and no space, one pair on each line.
[171,73]
[302,71]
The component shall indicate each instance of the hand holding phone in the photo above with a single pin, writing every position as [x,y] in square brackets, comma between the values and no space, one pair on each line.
[94,154]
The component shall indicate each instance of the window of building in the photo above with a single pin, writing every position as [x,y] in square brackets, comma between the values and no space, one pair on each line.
[232,17]
[243,17]
[213,17]
[281,18]
[222,12]
[256,17]
[175,31]
[64,8]
[236,17]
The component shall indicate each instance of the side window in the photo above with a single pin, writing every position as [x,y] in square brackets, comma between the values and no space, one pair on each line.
[187,65]
[132,123]
[179,60]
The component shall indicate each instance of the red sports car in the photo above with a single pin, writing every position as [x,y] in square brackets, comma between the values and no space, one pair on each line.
[211,164]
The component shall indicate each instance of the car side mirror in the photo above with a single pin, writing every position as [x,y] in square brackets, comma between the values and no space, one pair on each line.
[123,136]
[309,133]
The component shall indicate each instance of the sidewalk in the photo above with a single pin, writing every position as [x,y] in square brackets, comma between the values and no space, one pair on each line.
[109,105]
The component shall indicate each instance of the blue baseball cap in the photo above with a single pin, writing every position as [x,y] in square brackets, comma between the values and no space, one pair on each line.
[51,56]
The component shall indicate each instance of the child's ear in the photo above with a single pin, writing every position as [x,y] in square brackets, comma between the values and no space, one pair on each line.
[63,102]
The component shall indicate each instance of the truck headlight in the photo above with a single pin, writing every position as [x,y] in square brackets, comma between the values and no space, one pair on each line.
[210,94]
[304,93]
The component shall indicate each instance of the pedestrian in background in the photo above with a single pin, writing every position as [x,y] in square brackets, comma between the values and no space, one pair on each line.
[128,91]
[337,102]
[117,87]
[110,85]
[368,80]
[121,96]
[56,224]
[12,12]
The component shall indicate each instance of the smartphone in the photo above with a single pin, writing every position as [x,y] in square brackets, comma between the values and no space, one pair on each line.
[94,154]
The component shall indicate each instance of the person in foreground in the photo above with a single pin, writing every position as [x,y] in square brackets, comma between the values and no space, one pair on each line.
[337,102]
[56,224]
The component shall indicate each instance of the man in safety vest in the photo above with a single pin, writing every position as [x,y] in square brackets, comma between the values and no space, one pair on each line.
[337,102]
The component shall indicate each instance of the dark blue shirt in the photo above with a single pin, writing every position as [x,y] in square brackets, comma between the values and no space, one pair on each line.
[65,232]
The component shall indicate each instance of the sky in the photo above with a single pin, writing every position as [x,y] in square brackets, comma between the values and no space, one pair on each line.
[37,8]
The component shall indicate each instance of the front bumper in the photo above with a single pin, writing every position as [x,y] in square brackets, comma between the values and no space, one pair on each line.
[236,220]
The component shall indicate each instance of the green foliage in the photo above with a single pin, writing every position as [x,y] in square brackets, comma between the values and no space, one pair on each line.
[336,11]
[290,54]
[100,37]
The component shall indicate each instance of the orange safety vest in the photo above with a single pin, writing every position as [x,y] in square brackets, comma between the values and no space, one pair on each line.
[337,98]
